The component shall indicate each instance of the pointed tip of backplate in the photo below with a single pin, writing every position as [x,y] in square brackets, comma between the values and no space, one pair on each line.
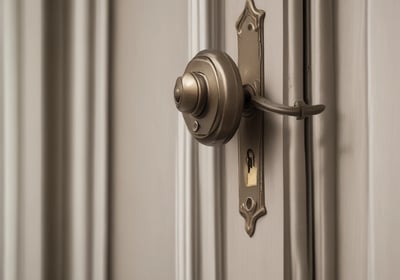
[251,10]
[251,217]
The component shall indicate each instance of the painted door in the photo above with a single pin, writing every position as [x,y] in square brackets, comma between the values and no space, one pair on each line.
[174,206]
[100,178]
[330,183]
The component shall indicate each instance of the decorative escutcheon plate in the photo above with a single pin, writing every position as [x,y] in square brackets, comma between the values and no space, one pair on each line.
[250,32]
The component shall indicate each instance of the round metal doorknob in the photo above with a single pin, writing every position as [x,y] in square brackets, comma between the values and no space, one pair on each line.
[191,93]
[210,96]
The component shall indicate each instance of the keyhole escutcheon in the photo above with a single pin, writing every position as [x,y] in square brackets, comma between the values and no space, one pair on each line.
[250,160]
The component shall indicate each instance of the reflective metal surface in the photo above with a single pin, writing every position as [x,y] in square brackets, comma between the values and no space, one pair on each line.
[300,109]
[209,95]
[250,32]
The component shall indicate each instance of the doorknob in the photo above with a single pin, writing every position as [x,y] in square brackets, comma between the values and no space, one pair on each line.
[212,98]
[217,98]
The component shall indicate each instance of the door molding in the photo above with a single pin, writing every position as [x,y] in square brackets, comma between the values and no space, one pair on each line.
[21,144]
[199,179]
[54,139]
[76,137]
[324,139]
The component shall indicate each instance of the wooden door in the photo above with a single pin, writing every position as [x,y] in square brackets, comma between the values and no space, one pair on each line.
[100,178]
[330,183]
[174,202]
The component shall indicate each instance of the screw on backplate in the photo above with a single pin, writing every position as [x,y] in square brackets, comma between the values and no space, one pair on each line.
[196,126]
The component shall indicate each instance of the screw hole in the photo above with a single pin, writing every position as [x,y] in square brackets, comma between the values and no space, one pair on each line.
[249,203]
[250,27]
[196,126]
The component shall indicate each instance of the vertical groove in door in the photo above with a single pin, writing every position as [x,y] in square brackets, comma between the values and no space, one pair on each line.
[308,139]
[56,65]
[322,91]
[297,266]
[186,179]
[199,205]
[75,113]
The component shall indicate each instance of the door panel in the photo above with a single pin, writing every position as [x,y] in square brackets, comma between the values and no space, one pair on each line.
[384,139]
[149,51]
[86,104]
[352,145]
[144,235]
[175,204]
[367,89]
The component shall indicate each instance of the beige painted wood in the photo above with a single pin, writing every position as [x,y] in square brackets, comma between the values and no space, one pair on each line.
[21,175]
[356,156]
[136,237]
[149,50]
[367,87]
[352,138]
[147,56]
[11,130]
[384,138]
[32,160]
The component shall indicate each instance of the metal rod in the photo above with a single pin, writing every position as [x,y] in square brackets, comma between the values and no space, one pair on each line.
[300,109]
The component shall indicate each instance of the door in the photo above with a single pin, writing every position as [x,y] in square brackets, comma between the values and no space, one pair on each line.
[330,214]
[175,212]
[102,179]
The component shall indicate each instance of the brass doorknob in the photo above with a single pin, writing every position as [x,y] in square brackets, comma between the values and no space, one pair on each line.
[212,99]
[191,93]
[210,96]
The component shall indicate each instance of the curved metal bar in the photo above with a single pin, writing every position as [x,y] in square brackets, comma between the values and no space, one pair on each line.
[300,109]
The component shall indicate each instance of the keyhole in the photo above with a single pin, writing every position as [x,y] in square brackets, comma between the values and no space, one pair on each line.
[250,160]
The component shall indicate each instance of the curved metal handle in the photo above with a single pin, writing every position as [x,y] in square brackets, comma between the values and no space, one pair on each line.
[300,109]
